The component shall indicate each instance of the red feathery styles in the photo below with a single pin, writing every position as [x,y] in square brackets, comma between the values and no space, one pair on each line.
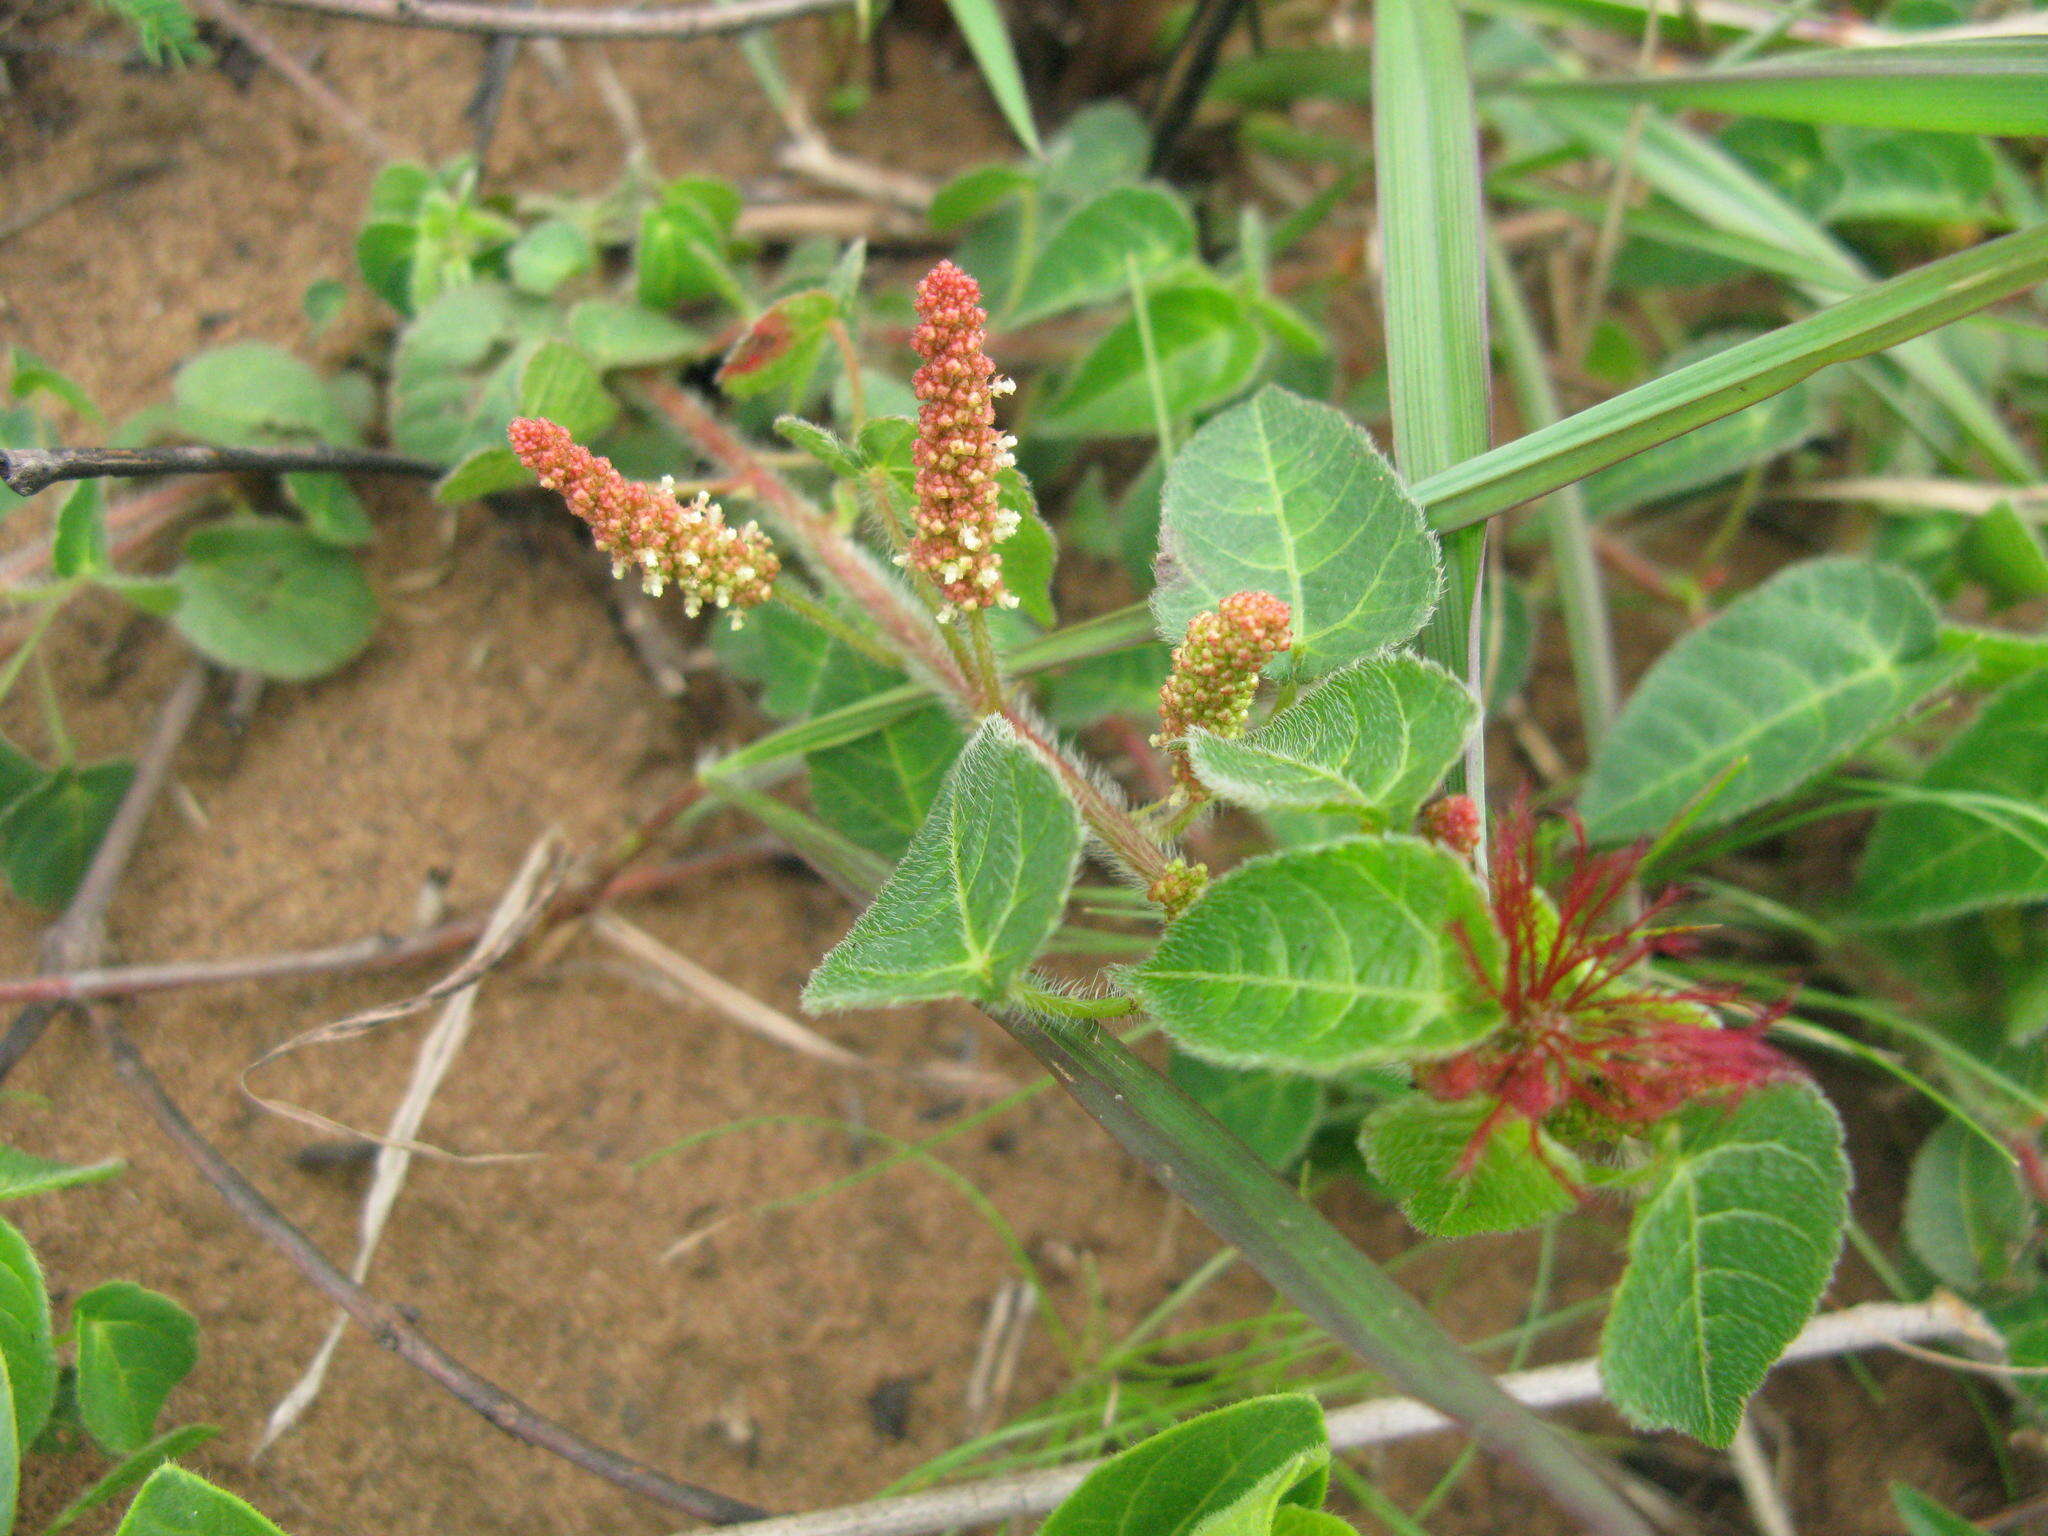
[1216,671]
[958,451]
[1583,1037]
[687,545]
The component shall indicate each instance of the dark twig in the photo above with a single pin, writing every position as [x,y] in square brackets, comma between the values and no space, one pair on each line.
[229,17]
[702,20]
[378,952]
[27,470]
[1194,66]
[77,938]
[385,1324]
[112,181]
[131,523]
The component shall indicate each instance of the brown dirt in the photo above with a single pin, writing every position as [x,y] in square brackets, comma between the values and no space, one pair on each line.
[496,702]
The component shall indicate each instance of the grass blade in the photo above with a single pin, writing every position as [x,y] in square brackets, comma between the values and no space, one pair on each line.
[1306,1259]
[1978,85]
[1432,229]
[1871,320]
[1717,189]
[981,23]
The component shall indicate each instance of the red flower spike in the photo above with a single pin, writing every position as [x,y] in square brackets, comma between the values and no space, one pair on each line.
[958,452]
[1581,1034]
[689,546]
[1453,822]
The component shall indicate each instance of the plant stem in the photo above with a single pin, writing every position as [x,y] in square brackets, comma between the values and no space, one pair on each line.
[849,357]
[679,21]
[1155,380]
[25,471]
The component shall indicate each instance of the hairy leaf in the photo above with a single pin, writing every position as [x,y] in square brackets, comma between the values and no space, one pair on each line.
[1087,259]
[22,1173]
[1226,1473]
[1784,683]
[1727,1259]
[49,835]
[1975,832]
[1327,958]
[1374,738]
[26,1346]
[131,1470]
[134,1346]
[977,893]
[175,1502]
[1417,1148]
[1284,495]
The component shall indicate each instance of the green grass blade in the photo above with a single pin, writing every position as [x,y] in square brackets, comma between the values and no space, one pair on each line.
[1979,85]
[1717,189]
[1871,320]
[1432,230]
[1307,1260]
[988,39]
[1579,589]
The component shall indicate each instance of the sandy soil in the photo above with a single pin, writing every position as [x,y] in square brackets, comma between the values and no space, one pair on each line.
[498,702]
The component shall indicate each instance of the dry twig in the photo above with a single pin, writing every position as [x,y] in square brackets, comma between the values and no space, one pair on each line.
[228,16]
[680,21]
[25,471]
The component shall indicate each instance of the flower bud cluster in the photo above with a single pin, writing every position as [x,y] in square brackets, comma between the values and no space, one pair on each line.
[958,451]
[1177,888]
[1216,671]
[1453,822]
[644,528]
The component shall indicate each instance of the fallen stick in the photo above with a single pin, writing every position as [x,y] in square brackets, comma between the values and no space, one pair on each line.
[376,952]
[1381,1421]
[25,471]
[229,17]
[681,21]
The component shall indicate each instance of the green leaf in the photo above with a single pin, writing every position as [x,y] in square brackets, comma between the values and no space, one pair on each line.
[1995,656]
[1976,85]
[22,1173]
[2005,554]
[681,259]
[1226,1473]
[1284,495]
[78,544]
[821,443]
[333,510]
[1967,1213]
[252,393]
[134,1346]
[1209,347]
[322,302]
[273,598]
[485,472]
[1031,553]
[1418,1147]
[19,773]
[455,371]
[1727,1259]
[781,349]
[175,1502]
[972,193]
[988,39]
[1785,682]
[1124,682]
[614,335]
[10,1453]
[548,255]
[27,1348]
[560,384]
[879,788]
[1273,1113]
[977,893]
[1924,1517]
[384,252]
[30,376]
[1974,833]
[1086,260]
[49,835]
[131,1470]
[1328,958]
[1374,739]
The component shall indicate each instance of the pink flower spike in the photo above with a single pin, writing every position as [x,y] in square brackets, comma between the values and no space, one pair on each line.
[687,545]
[958,452]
